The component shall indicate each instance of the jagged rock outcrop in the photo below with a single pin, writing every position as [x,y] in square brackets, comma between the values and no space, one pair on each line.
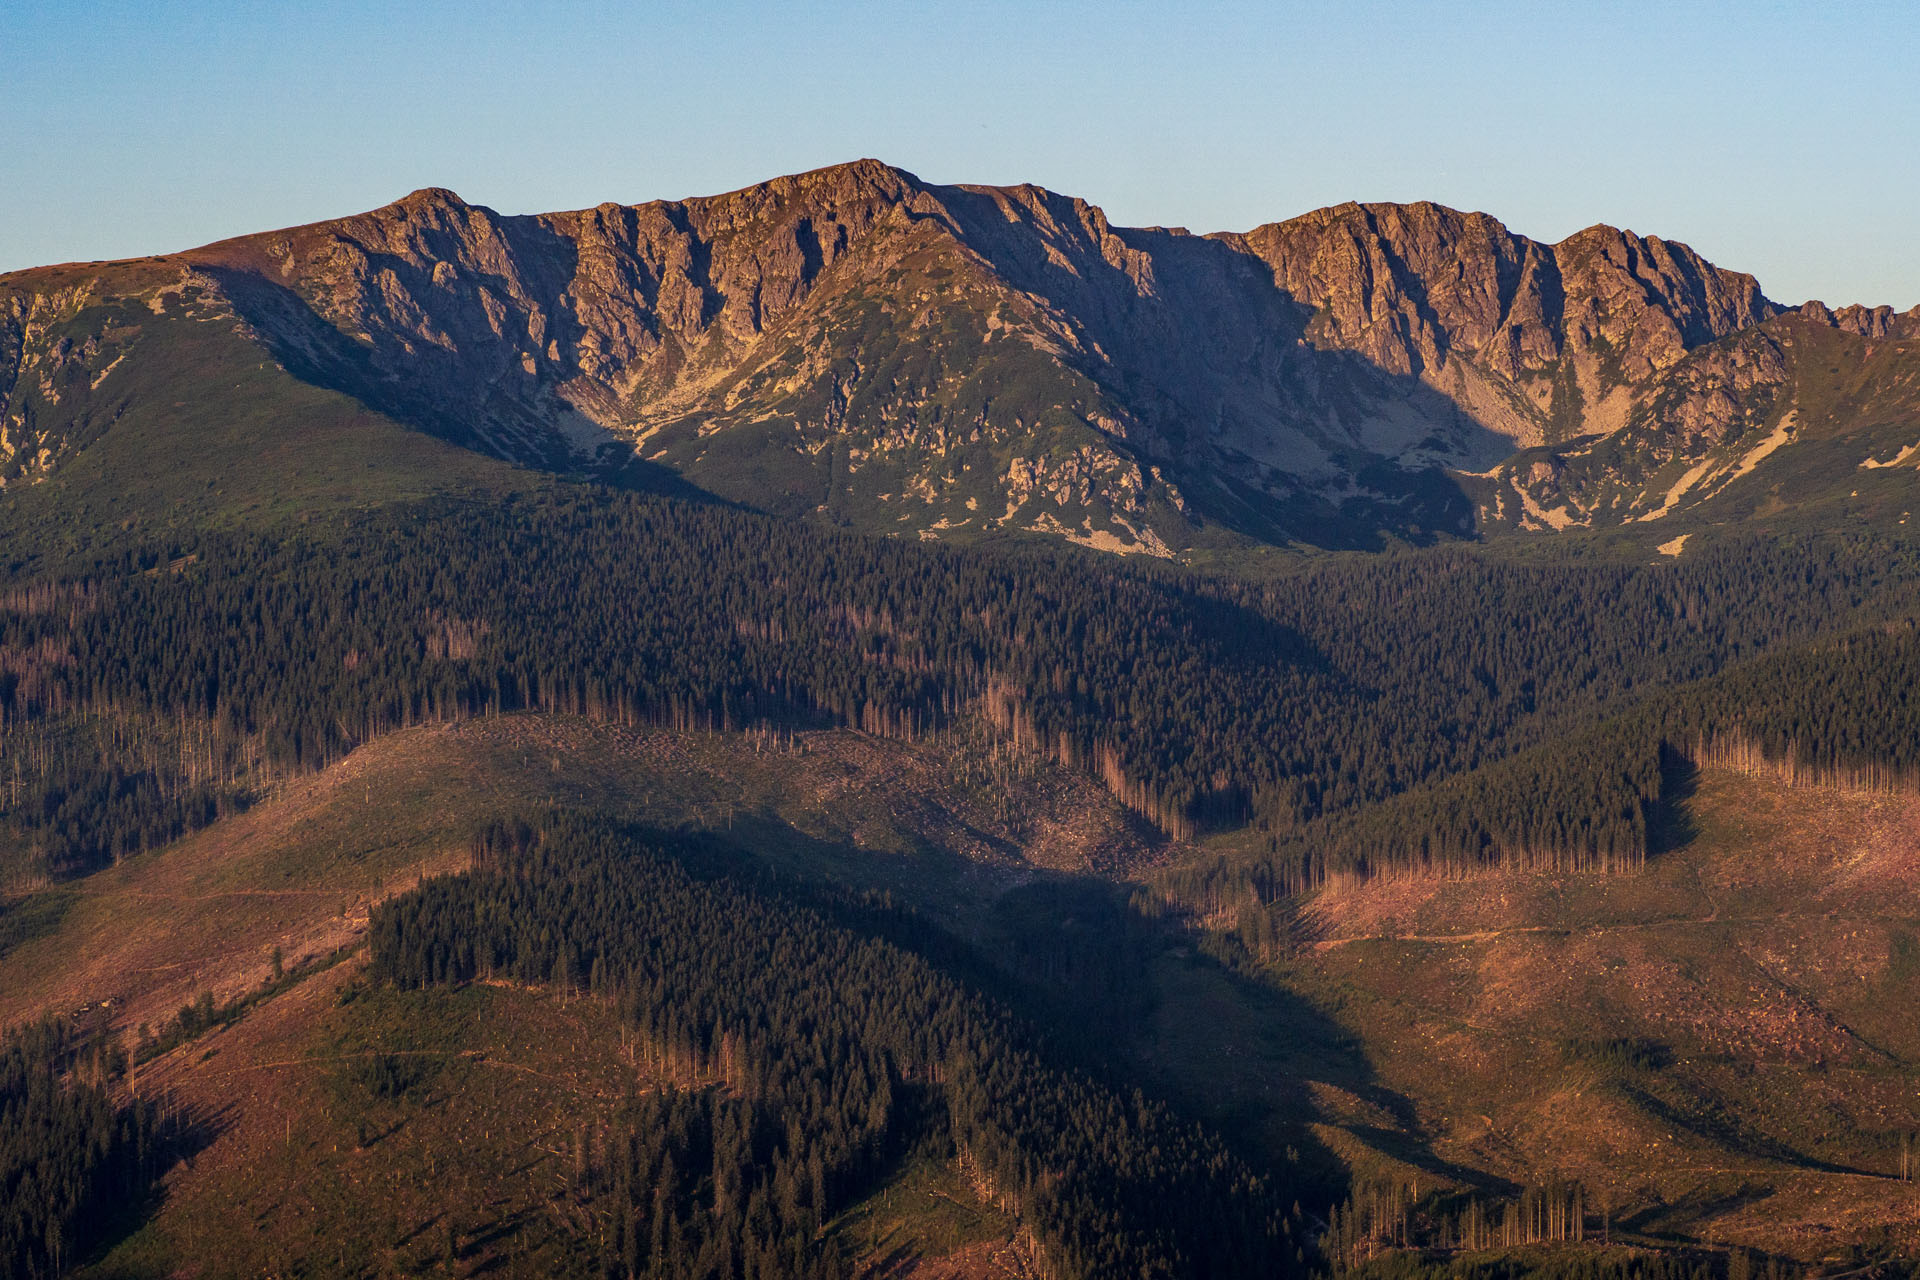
[856,344]
[1867,322]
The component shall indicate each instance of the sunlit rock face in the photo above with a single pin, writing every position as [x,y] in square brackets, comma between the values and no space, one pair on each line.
[944,361]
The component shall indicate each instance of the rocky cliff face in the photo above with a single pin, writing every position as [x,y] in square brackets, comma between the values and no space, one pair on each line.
[857,345]
[61,342]
[1811,406]
[1417,288]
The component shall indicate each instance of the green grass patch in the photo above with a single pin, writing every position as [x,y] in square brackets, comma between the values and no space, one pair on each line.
[926,1211]
[1615,1053]
[198,427]
[36,916]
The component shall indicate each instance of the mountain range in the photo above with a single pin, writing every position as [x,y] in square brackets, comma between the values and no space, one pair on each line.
[861,347]
[583,745]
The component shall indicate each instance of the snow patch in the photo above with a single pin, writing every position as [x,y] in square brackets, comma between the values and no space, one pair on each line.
[1694,475]
[1782,435]
[1552,517]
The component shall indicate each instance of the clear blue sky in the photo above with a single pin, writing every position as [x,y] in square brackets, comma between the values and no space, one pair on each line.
[1782,139]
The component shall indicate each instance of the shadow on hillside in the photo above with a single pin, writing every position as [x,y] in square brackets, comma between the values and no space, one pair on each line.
[519,409]
[1672,1220]
[1219,361]
[1670,823]
[1083,965]
[494,1231]
[1138,1001]
[790,854]
[1720,1124]
[185,1133]
[1310,1071]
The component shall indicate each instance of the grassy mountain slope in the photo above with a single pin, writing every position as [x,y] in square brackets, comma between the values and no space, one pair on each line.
[358,1161]
[1720,1042]
[942,826]
[1794,423]
[164,414]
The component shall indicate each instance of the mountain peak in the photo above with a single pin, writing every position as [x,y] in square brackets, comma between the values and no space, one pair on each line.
[850,179]
[871,170]
[430,197]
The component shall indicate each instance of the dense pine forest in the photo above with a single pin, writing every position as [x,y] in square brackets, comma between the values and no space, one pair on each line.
[1838,712]
[149,693]
[73,1159]
[823,1056]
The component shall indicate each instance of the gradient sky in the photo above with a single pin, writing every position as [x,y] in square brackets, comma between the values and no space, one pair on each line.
[1781,139]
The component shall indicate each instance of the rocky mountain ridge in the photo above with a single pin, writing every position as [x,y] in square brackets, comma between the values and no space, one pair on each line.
[856,345]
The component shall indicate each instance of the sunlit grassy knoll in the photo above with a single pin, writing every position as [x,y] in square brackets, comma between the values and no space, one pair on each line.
[299,869]
[926,1223]
[453,1154]
[377,1132]
[152,450]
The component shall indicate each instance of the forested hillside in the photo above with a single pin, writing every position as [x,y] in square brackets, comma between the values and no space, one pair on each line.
[833,1056]
[1438,713]
[152,691]
[74,1160]
[1838,712]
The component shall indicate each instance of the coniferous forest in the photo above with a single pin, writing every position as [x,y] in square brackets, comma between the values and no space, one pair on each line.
[154,691]
[74,1161]
[1335,721]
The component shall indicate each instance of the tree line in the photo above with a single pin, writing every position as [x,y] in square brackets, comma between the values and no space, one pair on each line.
[1840,711]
